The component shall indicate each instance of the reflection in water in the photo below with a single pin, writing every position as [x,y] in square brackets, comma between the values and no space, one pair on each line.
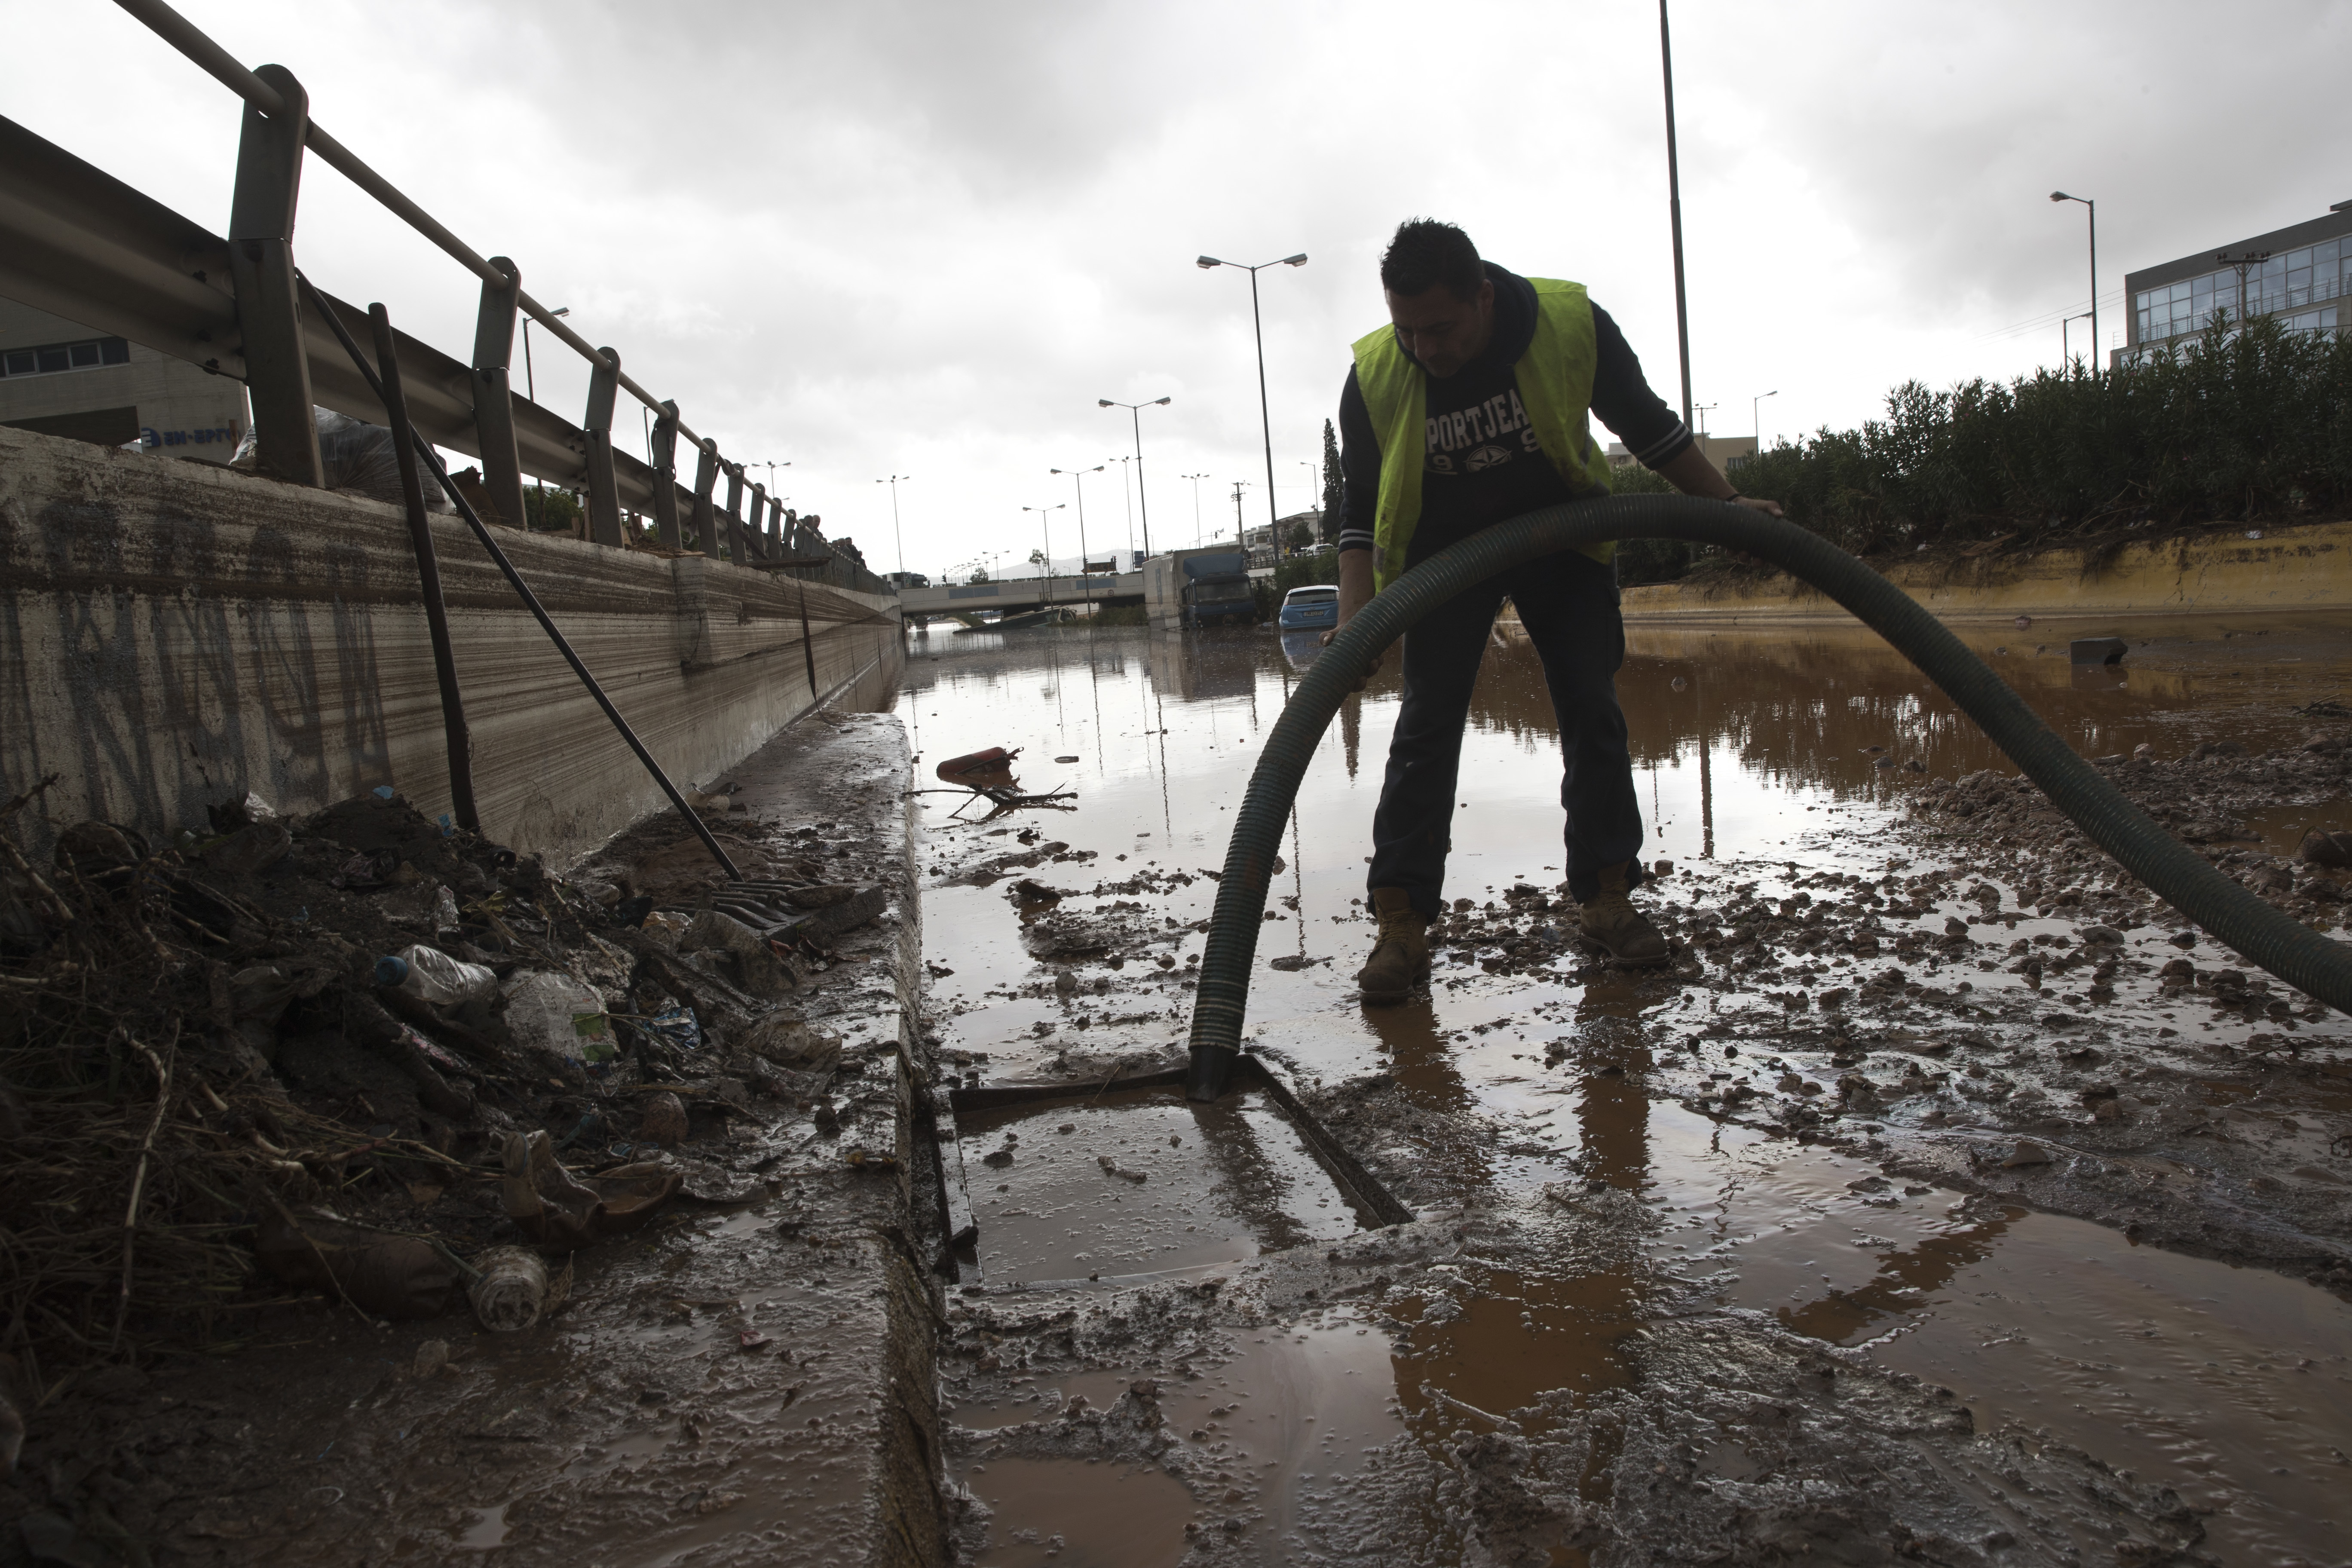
[1747,744]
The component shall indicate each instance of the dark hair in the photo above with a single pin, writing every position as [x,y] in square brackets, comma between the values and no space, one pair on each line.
[1426,253]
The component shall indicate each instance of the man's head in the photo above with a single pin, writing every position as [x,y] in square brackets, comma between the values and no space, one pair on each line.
[1439,295]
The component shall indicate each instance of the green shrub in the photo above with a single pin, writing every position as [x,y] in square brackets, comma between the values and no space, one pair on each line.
[2223,426]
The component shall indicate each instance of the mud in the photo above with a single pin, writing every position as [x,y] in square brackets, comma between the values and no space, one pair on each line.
[1699,1248]
[726,1385]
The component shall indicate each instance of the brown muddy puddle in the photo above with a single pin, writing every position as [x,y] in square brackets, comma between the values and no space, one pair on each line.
[1138,1181]
[1755,756]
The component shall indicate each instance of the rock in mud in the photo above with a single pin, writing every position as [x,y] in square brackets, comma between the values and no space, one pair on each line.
[664,1122]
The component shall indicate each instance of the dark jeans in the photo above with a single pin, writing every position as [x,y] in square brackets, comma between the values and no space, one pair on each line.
[1568,605]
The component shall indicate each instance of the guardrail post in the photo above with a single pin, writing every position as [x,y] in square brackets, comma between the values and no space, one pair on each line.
[705,480]
[666,529]
[776,529]
[261,269]
[494,331]
[603,493]
[735,514]
[758,540]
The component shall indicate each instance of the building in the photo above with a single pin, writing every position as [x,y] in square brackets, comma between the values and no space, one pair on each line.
[2298,274]
[59,378]
[1728,452]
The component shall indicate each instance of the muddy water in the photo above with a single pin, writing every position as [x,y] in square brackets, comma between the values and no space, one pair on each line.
[1774,757]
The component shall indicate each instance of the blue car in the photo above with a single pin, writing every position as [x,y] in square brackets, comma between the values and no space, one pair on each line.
[1304,609]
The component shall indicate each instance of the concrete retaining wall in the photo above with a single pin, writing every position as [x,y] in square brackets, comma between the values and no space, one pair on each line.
[171,634]
[2307,567]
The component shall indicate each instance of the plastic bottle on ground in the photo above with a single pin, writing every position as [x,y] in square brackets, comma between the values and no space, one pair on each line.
[431,975]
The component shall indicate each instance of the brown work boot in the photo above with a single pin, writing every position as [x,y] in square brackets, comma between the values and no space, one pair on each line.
[1400,958]
[1610,919]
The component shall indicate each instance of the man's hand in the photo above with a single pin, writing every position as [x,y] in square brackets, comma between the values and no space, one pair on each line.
[1690,472]
[1355,592]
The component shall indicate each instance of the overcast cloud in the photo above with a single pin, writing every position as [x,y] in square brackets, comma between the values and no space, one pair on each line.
[924,237]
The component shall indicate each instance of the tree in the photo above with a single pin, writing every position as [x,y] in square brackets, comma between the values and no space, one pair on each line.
[1037,559]
[978,575]
[1300,537]
[547,509]
[1335,485]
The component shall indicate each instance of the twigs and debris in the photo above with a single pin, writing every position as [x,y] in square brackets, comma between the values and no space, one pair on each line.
[213,1085]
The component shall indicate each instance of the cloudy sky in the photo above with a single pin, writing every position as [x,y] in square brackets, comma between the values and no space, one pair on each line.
[920,237]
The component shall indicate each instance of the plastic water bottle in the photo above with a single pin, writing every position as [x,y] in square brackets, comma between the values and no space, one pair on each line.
[431,975]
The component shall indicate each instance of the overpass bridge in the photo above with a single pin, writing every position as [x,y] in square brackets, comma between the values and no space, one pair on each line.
[1017,594]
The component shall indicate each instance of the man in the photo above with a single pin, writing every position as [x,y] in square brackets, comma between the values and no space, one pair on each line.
[1470,407]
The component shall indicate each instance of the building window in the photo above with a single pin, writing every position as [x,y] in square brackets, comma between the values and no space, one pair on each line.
[47,359]
[2313,274]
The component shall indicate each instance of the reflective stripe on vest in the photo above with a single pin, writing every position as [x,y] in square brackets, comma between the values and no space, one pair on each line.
[1554,379]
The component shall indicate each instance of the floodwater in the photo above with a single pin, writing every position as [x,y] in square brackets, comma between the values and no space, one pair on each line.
[1778,752]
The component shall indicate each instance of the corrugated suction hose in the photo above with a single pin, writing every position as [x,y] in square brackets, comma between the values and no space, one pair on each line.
[2294,953]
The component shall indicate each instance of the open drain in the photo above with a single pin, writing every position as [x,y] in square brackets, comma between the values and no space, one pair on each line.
[1053,1185]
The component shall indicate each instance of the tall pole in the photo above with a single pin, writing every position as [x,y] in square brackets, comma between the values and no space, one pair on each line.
[1046,568]
[1675,211]
[902,539]
[1257,329]
[1078,479]
[1265,416]
[1196,479]
[1756,416]
[1239,544]
[1135,415]
[2093,207]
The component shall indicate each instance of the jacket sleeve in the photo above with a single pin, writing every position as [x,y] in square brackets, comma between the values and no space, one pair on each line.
[1622,399]
[1360,467]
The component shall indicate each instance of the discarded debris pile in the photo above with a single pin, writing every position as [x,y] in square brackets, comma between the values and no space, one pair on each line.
[354,1054]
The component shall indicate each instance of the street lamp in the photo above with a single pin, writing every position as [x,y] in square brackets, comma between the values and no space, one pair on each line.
[1046,568]
[1210,264]
[1078,479]
[1755,417]
[894,481]
[2065,348]
[1196,479]
[1314,493]
[530,382]
[1135,417]
[2092,207]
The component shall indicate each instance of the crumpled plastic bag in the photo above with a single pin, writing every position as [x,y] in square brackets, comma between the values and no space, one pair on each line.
[357,457]
[553,1208]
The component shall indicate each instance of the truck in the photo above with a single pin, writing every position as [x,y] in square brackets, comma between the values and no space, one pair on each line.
[1217,590]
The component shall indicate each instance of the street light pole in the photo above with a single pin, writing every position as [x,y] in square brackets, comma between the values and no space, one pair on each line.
[1239,542]
[1196,479]
[1675,210]
[1078,479]
[894,481]
[1135,417]
[1756,416]
[1046,568]
[2091,208]
[1265,416]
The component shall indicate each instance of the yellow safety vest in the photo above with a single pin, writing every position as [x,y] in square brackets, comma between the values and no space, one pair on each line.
[1555,385]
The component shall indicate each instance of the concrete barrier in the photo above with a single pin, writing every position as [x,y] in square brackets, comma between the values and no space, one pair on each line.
[2302,567]
[172,634]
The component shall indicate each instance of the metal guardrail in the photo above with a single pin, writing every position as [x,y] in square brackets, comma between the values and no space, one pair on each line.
[80,244]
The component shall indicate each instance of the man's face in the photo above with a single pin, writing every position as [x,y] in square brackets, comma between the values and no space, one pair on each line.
[1442,332]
